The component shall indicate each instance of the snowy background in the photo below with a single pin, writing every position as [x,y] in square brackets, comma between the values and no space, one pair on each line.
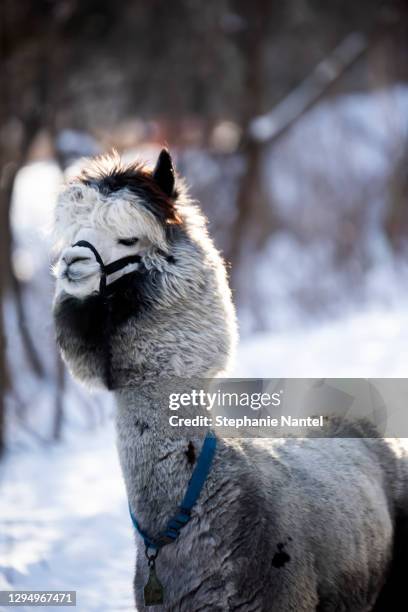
[317,245]
[63,504]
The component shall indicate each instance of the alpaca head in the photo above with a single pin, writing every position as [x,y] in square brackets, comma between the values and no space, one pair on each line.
[164,308]
[120,210]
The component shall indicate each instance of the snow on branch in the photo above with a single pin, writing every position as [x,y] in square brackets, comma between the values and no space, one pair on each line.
[270,125]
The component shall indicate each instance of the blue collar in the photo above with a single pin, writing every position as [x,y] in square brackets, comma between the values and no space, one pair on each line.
[180,520]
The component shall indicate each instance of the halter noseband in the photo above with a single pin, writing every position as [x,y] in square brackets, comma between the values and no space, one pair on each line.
[114,266]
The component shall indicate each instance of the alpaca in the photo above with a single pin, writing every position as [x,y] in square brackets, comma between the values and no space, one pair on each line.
[293,525]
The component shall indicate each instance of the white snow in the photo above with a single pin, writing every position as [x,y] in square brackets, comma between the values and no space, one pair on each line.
[34,196]
[372,343]
[65,525]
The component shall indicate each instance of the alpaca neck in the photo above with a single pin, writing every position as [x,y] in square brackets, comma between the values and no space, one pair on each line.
[157,460]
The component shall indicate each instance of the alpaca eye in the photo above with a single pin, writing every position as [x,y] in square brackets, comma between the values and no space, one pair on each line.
[128,241]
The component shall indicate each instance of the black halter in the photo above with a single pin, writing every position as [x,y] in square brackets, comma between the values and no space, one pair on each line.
[114,266]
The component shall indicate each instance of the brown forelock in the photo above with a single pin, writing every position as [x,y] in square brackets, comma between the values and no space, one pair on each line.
[109,175]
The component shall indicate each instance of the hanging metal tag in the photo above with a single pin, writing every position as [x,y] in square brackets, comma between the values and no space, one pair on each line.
[153,591]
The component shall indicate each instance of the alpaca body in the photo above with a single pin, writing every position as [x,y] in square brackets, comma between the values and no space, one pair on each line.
[280,526]
[277,527]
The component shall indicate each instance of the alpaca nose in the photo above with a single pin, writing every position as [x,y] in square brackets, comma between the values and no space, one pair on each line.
[71,258]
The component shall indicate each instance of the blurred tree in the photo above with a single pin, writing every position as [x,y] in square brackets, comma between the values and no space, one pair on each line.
[22,115]
[389,65]
[396,219]
[23,111]
[280,46]
[255,219]
[3,375]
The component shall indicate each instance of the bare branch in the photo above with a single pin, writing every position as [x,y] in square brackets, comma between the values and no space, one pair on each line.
[267,127]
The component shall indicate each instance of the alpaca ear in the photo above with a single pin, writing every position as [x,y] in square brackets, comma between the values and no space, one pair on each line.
[163,173]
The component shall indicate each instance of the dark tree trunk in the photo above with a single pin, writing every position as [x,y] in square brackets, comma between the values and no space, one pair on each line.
[3,367]
[396,219]
[255,219]
[388,65]
[59,395]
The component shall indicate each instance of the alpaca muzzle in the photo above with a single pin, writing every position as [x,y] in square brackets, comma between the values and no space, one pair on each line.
[111,268]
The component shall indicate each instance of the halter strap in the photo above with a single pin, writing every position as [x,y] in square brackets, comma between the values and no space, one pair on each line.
[195,486]
[88,245]
[110,268]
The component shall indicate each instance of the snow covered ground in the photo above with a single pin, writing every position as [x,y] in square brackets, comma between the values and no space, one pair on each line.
[64,523]
[367,344]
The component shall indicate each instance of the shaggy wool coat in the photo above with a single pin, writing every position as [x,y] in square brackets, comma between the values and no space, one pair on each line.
[280,525]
